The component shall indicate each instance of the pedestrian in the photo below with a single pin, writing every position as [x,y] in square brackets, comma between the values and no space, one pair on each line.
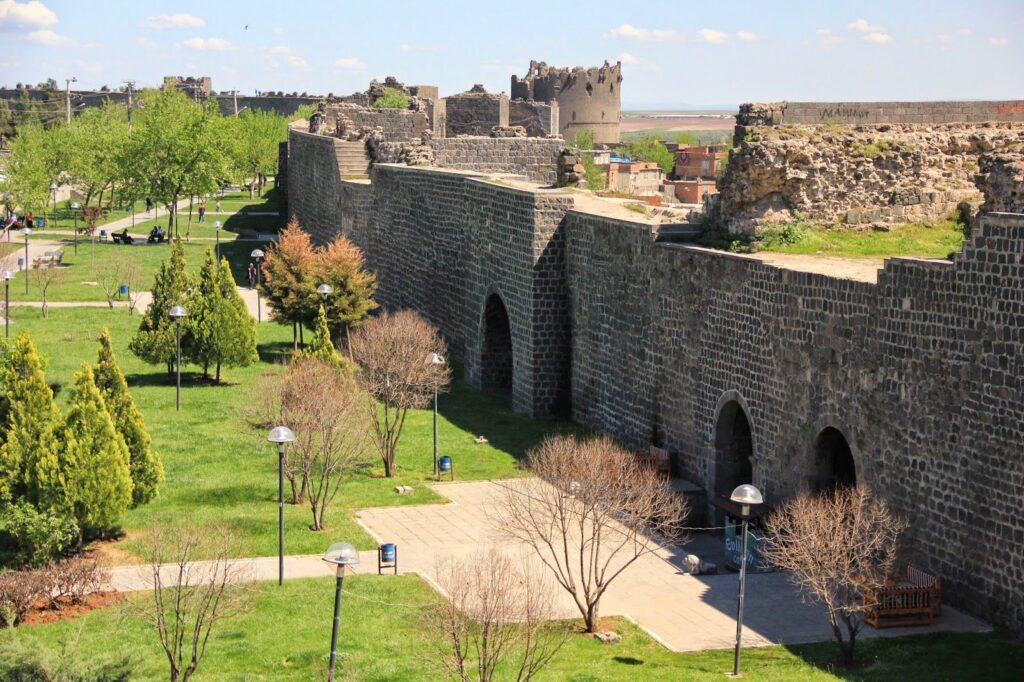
[30,219]
[149,204]
[218,204]
[252,275]
[202,211]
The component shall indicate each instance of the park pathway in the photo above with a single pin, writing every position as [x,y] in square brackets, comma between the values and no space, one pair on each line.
[683,612]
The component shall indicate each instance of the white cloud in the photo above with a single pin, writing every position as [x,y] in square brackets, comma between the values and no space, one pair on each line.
[33,14]
[146,43]
[292,59]
[823,32]
[637,63]
[999,42]
[966,32]
[944,38]
[747,36]
[647,35]
[350,64]
[280,49]
[864,27]
[627,58]
[277,31]
[213,44]
[48,38]
[710,35]
[827,40]
[878,38]
[161,21]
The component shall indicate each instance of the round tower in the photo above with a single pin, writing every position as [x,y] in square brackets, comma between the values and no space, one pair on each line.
[588,99]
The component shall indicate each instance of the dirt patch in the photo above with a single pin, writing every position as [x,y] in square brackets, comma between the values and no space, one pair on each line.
[112,553]
[634,123]
[68,611]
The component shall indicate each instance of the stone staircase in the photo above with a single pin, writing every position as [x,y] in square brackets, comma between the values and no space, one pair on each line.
[352,160]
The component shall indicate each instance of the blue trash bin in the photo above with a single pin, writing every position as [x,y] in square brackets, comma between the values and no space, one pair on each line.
[21,263]
[123,290]
[40,222]
[103,235]
[444,464]
[387,557]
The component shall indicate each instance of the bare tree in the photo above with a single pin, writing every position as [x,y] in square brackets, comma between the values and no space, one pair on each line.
[589,514]
[324,407]
[495,612]
[46,278]
[191,597]
[113,275]
[837,548]
[391,351]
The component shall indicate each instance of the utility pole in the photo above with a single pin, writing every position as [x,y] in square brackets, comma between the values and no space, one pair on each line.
[67,98]
[235,94]
[131,86]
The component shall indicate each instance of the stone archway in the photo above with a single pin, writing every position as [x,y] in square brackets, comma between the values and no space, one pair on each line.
[496,363]
[834,466]
[734,449]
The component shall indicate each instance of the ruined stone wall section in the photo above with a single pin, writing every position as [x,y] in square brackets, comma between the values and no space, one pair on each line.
[535,158]
[475,113]
[874,113]
[539,119]
[1001,181]
[857,175]
[922,373]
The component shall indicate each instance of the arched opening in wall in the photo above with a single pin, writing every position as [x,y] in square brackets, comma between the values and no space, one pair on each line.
[834,467]
[734,449]
[496,351]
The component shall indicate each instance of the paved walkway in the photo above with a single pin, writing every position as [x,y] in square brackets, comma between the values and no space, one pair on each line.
[684,612]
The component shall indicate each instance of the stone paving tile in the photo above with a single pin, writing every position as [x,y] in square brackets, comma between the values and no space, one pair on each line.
[684,612]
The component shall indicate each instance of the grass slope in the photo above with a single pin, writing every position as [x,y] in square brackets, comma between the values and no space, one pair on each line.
[924,240]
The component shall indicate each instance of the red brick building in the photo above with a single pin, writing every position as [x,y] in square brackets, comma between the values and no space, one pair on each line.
[699,162]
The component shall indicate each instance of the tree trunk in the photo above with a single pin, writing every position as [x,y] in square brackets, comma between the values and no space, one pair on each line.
[295,336]
[188,226]
[302,341]
[592,620]
[218,371]
[295,492]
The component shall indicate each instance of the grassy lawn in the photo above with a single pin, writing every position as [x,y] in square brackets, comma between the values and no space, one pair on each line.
[926,240]
[81,271]
[286,636]
[220,468]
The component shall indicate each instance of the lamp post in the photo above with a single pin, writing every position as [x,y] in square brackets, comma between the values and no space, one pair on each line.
[53,193]
[74,214]
[341,554]
[257,256]
[7,276]
[25,232]
[435,359]
[744,495]
[177,313]
[216,229]
[281,435]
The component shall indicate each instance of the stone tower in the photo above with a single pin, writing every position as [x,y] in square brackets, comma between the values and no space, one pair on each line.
[588,99]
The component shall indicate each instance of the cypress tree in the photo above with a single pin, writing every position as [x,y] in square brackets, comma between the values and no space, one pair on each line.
[147,470]
[223,331]
[322,346]
[94,459]
[154,342]
[28,458]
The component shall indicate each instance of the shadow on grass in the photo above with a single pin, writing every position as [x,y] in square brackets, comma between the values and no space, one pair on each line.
[238,495]
[488,415]
[932,656]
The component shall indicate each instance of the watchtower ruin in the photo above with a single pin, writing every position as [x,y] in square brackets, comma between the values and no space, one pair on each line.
[588,99]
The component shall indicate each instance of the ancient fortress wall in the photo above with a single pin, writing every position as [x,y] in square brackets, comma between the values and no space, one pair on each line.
[857,175]
[533,157]
[874,113]
[921,373]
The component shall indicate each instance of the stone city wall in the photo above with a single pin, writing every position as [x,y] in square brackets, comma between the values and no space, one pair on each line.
[536,158]
[856,175]
[922,373]
[873,113]
[1001,180]
[475,113]
[539,119]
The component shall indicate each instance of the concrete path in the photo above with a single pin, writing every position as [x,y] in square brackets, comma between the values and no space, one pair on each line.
[684,612]
[144,298]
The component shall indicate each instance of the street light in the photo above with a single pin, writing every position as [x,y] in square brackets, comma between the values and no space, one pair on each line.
[177,313]
[26,231]
[53,193]
[435,359]
[257,256]
[341,554]
[281,435]
[7,276]
[74,214]
[744,495]
[216,229]
[325,290]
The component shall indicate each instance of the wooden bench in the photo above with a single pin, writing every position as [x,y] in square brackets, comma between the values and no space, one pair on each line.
[914,598]
[657,459]
[48,259]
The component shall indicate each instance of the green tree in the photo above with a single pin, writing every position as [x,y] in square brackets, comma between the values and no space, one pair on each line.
[29,468]
[392,99]
[650,148]
[583,139]
[321,346]
[688,138]
[341,264]
[147,469]
[95,463]
[253,145]
[222,330]
[28,172]
[154,342]
[96,139]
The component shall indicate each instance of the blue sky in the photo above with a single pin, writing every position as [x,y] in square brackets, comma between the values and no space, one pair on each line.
[672,52]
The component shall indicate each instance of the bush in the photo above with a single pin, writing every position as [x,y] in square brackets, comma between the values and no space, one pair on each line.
[593,173]
[75,579]
[19,592]
[650,148]
[785,234]
[583,139]
[40,536]
[392,99]
[22,662]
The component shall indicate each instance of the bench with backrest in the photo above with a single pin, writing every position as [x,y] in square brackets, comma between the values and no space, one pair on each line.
[121,238]
[657,459]
[914,598]
[48,259]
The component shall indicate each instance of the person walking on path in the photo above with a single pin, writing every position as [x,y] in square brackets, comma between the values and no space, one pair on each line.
[202,210]
[218,204]
[149,205]
[252,275]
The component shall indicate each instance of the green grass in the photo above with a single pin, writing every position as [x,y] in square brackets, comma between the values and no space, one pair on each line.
[81,271]
[286,636]
[220,468]
[925,240]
